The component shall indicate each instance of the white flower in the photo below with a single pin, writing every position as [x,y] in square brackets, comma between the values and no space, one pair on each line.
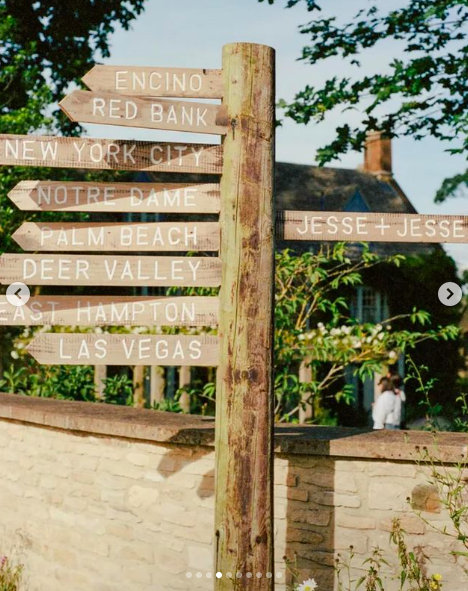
[15,355]
[392,355]
[309,585]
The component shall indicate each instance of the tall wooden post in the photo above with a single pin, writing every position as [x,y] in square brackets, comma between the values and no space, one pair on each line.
[244,398]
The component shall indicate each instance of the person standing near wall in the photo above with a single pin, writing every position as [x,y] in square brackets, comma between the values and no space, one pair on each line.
[396,383]
[384,407]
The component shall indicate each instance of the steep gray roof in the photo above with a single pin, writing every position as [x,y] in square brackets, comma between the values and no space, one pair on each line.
[312,188]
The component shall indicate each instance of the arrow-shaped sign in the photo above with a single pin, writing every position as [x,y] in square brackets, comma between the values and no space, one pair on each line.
[149,81]
[115,236]
[120,349]
[115,109]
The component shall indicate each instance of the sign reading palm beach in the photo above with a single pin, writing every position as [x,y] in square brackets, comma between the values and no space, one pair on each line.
[139,109]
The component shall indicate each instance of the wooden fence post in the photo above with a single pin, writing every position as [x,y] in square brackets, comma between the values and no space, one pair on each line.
[184,380]
[157,384]
[139,386]
[244,398]
[100,374]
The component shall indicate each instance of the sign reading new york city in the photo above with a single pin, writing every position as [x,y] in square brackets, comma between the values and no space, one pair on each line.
[123,97]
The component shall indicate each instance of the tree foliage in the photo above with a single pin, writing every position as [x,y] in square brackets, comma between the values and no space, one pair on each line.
[423,91]
[46,45]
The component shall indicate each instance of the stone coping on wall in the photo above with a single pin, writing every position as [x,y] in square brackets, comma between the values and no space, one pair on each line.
[105,420]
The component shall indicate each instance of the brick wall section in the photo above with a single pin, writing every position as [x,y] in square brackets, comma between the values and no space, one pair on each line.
[98,498]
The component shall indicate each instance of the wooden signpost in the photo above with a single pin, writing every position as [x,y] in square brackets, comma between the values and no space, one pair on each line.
[117,197]
[134,96]
[114,109]
[131,96]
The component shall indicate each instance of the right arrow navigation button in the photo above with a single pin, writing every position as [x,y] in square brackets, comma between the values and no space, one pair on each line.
[450,294]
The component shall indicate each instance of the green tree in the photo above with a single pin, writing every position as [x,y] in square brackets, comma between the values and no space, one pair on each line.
[46,46]
[423,93]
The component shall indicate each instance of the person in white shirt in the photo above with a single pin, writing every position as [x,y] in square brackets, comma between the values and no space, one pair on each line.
[384,406]
[396,383]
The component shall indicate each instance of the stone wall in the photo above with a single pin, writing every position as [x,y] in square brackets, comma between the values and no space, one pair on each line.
[102,498]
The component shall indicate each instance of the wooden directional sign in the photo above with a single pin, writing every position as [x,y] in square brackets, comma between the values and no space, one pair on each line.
[372,227]
[120,349]
[112,109]
[110,270]
[69,152]
[112,236]
[111,311]
[147,81]
[117,197]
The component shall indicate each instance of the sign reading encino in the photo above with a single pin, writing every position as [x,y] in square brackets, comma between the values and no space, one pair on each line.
[118,197]
[372,227]
[114,236]
[113,109]
[111,311]
[110,270]
[120,349]
[68,152]
[148,81]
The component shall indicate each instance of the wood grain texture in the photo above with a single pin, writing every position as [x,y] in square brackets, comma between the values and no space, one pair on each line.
[102,154]
[111,311]
[110,270]
[119,349]
[116,197]
[106,108]
[122,237]
[372,227]
[149,81]
[244,396]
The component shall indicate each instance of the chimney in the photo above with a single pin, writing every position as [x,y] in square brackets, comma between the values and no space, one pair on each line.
[378,155]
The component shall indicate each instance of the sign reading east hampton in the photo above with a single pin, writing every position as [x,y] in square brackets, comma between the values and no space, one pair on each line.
[116,197]
[69,152]
[110,270]
[119,349]
[373,227]
[147,81]
[114,236]
[113,109]
[111,311]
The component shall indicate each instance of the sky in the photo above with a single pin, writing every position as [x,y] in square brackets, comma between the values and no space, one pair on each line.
[191,33]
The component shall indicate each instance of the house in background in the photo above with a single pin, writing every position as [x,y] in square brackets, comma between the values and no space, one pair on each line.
[372,188]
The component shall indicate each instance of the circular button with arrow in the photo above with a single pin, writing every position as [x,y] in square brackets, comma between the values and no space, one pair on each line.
[18,294]
[450,294]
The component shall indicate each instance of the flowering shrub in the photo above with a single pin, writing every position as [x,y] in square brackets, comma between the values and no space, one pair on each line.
[10,575]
